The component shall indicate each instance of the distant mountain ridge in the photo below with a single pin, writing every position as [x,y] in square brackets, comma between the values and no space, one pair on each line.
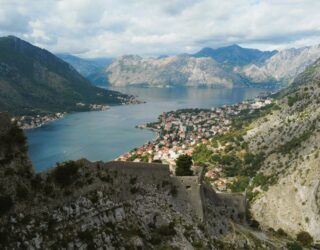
[222,67]
[284,66]
[32,80]
[236,55]
[92,69]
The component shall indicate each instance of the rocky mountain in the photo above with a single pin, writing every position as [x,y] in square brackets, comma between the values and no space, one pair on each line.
[114,205]
[181,70]
[235,55]
[283,66]
[92,69]
[274,155]
[223,67]
[32,80]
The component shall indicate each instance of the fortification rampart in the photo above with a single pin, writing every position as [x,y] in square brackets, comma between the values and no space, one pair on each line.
[192,194]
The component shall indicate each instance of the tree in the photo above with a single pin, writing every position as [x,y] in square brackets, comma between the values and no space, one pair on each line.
[184,163]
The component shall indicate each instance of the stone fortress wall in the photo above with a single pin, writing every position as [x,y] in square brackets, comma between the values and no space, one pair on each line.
[191,192]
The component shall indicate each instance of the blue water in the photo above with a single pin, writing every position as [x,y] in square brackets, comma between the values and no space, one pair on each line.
[104,135]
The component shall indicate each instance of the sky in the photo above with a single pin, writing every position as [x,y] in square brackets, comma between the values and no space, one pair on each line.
[110,28]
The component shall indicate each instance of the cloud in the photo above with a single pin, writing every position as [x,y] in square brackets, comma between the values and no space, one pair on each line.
[150,28]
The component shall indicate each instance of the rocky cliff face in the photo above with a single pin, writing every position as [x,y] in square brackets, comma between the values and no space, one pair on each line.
[181,70]
[290,140]
[284,66]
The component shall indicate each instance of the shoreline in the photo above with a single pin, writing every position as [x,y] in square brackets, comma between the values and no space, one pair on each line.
[27,122]
[178,132]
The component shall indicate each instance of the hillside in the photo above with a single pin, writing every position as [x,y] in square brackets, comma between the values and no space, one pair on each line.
[114,205]
[92,69]
[32,80]
[235,55]
[181,70]
[283,66]
[273,154]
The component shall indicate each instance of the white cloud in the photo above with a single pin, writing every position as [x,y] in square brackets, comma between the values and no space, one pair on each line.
[112,28]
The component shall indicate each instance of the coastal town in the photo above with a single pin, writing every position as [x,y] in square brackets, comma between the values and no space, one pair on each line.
[178,132]
[29,122]
[36,121]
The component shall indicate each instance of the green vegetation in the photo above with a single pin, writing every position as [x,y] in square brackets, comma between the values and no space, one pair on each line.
[162,234]
[247,116]
[201,154]
[294,246]
[295,142]
[66,173]
[167,230]
[304,238]
[240,184]
[184,163]
[43,83]
[22,191]
[293,99]
[6,204]
[12,142]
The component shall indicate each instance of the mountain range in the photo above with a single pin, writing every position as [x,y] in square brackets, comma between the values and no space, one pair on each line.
[32,80]
[230,66]
[224,67]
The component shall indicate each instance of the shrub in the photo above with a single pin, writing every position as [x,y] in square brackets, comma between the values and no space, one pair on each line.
[173,191]
[294,246]
[36,182]
[134,190]
[22,191]
[86,236]
[5,204]
[281,232]
[167,230]
[304,238]
[240,184]
[4,235]
[133,180]
[65,174]
[255,224]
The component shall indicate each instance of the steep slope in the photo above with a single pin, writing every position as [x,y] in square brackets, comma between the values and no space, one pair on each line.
[291,139]
[273,155]
[283,66]
[34,80]
[92,69]
[181,70]
[235,55]
[115,205]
